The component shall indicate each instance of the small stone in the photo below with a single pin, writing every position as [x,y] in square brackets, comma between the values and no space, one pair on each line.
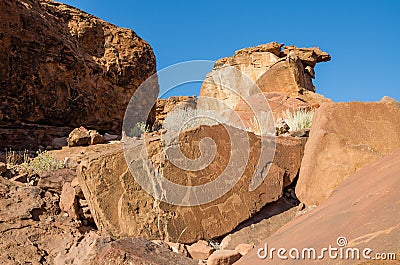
[79,137]
[3,168]
[110,137]
[200,250]
[70,163]
[96,138]
[59,142]
[300,133]
[281,127]
[161,243]
[68,201]
[178,248]
[243,249]
[223,257]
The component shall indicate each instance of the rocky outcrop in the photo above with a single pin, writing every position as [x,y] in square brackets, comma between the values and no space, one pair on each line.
[61,67]
[138,251]
[31,227]
[364,211]
[81,137]
[262,69]
[278,104]
[122,208]
[165,106]
[344,138]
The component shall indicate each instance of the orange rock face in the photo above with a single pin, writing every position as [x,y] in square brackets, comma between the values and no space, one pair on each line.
[344,138]
[165,106]
[121,207]
[262,70]
[365,210]
[60,66]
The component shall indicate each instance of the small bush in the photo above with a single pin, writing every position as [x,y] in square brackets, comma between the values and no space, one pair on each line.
[137,130]
[184,119]
[298,120]
[14,158]
[44,161]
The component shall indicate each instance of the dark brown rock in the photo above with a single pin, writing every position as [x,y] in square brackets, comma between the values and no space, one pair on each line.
[308,56]
[60,66]
[96,138]
[59,142]
[137,251]
[3,168]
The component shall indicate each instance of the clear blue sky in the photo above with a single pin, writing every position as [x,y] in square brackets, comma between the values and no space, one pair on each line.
[363,37]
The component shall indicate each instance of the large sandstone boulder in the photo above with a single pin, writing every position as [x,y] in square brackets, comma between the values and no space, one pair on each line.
[121,207]
[262,69]
[344,138]
[364,211]
[61,67]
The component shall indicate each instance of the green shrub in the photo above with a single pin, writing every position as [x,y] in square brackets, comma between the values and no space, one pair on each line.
[138,130]
[298,120]
[44,161]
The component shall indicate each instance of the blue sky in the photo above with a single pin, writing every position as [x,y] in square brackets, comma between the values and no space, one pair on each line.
[363,37]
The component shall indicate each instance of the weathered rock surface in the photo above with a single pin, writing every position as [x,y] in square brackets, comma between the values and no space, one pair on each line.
[344,138]
[86,251]
[122,208]
[31,229]
[390,100]
[138,251]
[257,233]
[69,202]
[54,180]
[3,167]
[30,136]
[61,67]
[200,250]
[223,257]
[81,137]
[308,56]
[289,72]
[364,209]
[278,104]
[165,106]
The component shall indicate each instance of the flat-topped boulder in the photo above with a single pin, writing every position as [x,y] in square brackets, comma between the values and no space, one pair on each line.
[121,207]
